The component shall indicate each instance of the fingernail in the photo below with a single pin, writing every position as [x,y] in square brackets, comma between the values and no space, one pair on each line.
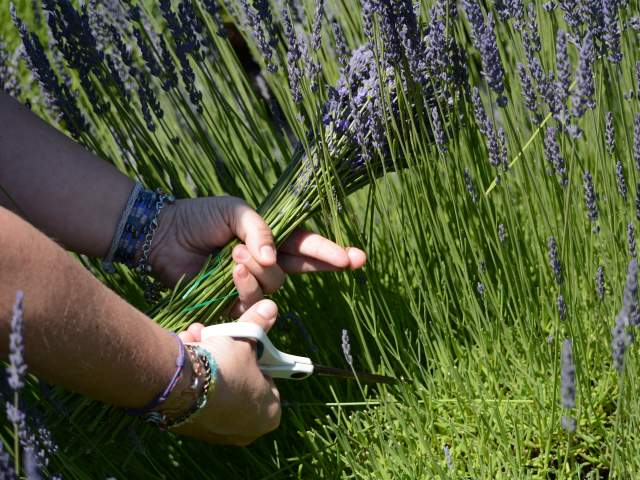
[241,270]
[240,253]
[267,309]
[268,253]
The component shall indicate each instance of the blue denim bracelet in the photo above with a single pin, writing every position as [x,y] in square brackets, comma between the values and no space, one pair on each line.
[132,228]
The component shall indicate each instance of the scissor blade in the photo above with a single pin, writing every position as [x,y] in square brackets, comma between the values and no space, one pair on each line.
[362,376]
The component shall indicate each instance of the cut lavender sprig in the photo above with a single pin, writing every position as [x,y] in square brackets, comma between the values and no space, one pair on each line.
[438,131]
[528,92]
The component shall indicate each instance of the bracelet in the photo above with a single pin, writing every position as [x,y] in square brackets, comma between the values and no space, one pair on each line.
[107,262]
[203,381]
[162,396]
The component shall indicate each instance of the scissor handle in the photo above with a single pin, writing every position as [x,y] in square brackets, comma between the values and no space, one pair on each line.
[272,361]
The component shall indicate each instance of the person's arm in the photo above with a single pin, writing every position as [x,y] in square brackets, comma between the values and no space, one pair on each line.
[60,187]
[81,335]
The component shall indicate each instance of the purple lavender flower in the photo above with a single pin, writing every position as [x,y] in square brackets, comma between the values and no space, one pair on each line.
[554,260]
[528,92]
[502,234]
[342,50]
[567,376]
[493,149]
[504,154]
[610,11]
[631,240]
[346,347]
[532,34]
[638,201]
[438,132]
[610,133]
[571,11]
[563,66]
[622,184]
[6,468]
[636,140]
[552,152]
[549,6]
[482,121]
[480,288]
[447,457]
[585,88]
[562,307]
[590,197]
[317,25]
[17,367]
[468,181]
[485,41]
[293,56]
[630,297]
[621,339]
[599,279]
[9,76]
[260,20]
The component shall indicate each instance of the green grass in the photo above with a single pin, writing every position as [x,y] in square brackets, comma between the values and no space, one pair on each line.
[484,371]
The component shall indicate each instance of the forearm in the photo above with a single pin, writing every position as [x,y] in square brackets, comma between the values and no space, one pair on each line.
[61,188]
[78,333]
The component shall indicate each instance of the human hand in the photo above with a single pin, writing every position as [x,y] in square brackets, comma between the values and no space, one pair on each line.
[244,404]
[190,230]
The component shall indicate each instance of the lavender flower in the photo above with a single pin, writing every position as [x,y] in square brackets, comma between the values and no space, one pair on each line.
[438,132]
[447,457]
[502,234]
[636,140]
[346,347]
[585,88]
[485,41]
[567,382]
[621,339]
[590,197]
[504,154]
[630,297]
[549,6]
[610,133]
[638,201]
[554,261]
[562,307]
[631,240]
[260,20]
[532,34]
[600,283]
[622,184]
[9,77]
[214,10]
[468,181]
[482,121]
[317,25]
[571,11]
[481,289]
[390,32]
[17,367]
[293,56]
[528,92]
[612,29]
[552,152]
[563,66]
[341,49]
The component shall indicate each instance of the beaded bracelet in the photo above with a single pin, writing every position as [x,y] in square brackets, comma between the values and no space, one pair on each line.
[203,381]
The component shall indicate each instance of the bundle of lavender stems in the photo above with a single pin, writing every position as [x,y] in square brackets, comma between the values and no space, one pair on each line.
[352,149]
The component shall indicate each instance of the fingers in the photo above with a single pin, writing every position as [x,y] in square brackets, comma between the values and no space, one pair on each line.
[263,313]
[248,226]
[322,254]
[249,290]
[270,278]
[192,333]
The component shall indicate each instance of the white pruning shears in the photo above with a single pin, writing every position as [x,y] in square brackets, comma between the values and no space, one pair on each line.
[278,364]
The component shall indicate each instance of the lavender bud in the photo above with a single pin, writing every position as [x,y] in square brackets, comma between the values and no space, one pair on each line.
[638,201]
[346,347]
[600,283]
[316,37]
[568,423]
[482,121]
[621,339]
[468,181]
[342,51]
[390,32]
[585,87]
[502,234]
[590,197]
[260,21]
[631,240]
[554,261]
[622,184]
[533,36]
[567,376]
[562,307]
[214,10]
[447,457]
[563,66]
[630,297]
[504,154]
[480,287]
[610,133]
[549,339]
[17,367]
[293,57]
[549,6]
[571,11]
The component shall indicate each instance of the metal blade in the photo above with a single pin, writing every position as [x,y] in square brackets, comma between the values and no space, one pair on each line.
[362,376]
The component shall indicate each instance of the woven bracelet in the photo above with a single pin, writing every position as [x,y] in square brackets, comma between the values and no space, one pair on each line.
[162,396]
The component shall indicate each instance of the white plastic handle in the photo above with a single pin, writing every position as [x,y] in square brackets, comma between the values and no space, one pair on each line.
[272,361]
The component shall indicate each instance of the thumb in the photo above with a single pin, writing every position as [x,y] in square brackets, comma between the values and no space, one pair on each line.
[262,313]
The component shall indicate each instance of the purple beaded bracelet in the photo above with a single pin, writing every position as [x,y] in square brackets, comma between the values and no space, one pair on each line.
[162,396]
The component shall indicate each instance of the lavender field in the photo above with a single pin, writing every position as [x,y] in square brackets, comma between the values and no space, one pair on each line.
[486,156]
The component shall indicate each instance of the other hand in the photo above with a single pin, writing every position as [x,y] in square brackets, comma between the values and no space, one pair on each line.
[191,229]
